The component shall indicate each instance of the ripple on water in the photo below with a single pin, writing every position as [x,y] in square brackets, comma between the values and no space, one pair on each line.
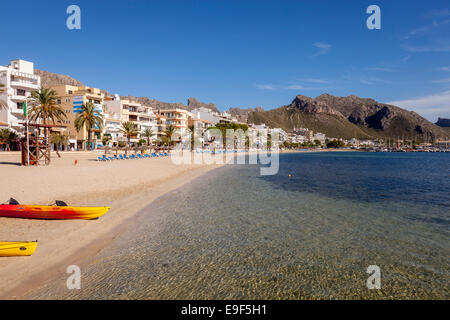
[236,235]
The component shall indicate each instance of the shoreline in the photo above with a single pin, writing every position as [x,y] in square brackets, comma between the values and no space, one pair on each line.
[86,238]
[63,243]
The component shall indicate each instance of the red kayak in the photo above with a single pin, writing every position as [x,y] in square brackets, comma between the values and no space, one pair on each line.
[51,212]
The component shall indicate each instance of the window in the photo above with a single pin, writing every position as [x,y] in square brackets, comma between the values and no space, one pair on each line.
[19,105]
[58,101]
[70,92]
[67,99]
[67,121]
[67,110]
[20,92]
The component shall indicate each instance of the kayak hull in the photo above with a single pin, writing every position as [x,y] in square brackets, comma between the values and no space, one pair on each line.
[15,249]
[51,212]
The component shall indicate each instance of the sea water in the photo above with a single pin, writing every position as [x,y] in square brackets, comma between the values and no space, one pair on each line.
[308,232]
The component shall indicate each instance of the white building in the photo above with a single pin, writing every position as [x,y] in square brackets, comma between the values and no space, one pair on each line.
[320,136]
[203,113]
[118,110]
[282,135]
[19,81]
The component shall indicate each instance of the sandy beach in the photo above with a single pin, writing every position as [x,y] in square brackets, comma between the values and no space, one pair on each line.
[125,186]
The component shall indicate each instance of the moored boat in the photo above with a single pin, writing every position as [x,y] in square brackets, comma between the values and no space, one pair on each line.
[17,248]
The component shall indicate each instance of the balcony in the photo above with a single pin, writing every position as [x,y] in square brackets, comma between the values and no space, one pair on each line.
[24,84]
[16,97]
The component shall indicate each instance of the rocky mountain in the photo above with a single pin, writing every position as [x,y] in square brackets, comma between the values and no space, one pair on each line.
[242,114]
[345,117]
[53,79]
[194,104]
[348,117]
[155,104]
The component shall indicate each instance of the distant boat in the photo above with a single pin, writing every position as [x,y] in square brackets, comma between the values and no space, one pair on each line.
[13,248]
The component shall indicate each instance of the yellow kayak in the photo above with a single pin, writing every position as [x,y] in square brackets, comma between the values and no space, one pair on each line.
[12,249]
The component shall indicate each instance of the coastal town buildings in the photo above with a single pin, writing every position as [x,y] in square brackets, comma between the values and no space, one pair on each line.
[119,110]
[212,116]
[18,80]
[178,118]
[71,99]
[306,133]
[320,137]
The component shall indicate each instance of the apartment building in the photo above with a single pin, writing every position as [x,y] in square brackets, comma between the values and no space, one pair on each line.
[307,134]
[282,135]
[225,117]
[71,99]
[320,136]
[121,110]
[178,118]
[206,114]
[18,80]
[212,116]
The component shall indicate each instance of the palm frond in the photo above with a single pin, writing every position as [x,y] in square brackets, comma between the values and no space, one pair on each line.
[43,106]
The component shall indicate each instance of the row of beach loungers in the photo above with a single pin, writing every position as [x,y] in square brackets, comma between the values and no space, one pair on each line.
[131,157]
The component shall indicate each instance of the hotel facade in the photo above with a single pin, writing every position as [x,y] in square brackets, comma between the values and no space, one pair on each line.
[71,99]
[119,110]
[18,80]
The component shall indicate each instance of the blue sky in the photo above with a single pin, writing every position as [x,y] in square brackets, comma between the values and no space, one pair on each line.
[242,53]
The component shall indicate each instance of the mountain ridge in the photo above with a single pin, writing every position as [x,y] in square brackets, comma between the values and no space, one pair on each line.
[345,117]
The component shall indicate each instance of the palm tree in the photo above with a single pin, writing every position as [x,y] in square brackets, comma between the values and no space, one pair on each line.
[169,132]
[43,106]
[43,103]
[8,137]
[129,129]
[89,118]
[59,140]
[148,133]
[192,129]
[105,141]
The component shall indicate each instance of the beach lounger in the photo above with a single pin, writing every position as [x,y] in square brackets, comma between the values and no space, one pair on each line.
[154,154]
[139,156]
[125,157]
[100,159]
[121,157]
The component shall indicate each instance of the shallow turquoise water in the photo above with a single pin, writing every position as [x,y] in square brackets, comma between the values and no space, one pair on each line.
[234,234]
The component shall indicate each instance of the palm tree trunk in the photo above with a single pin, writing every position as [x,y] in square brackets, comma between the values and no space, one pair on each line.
[89,139]
[57,151]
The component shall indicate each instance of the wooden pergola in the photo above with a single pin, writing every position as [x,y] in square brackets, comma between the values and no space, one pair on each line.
[38,150]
